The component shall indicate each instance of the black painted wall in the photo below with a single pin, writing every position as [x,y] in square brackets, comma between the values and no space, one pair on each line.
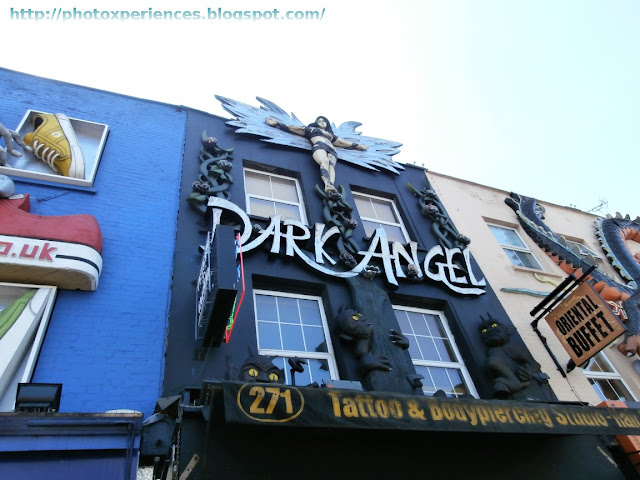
[187,364]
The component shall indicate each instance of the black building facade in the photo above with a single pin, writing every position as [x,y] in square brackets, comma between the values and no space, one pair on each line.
[316,332]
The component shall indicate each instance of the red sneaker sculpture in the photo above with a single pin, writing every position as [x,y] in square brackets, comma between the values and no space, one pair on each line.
[64,251]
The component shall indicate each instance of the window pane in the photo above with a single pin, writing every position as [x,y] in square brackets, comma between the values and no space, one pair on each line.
[266,308]
[527,260]
[428,349]
[598,364]
[435,326]
[441,379]
[319,370]
[418,323]
[444,350]
[310,312]
[285,210]
[257,184]
[384,211]
[513,257]
[513,239]
[262,208]
[394,234]
[314,338]
[427,382]
[369,227]
[292,337]
[522,259]
[611,389]
[304,378]
[414,350]
[403,322]
[284,189]
[507,236]
[499,234]
[459,387]
[314,371]
[364,206]
[288,310]
[269,335]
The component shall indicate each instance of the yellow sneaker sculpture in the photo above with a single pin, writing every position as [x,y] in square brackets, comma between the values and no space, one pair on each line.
[54,142]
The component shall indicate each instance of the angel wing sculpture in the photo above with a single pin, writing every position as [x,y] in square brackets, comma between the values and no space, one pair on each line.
[326,141]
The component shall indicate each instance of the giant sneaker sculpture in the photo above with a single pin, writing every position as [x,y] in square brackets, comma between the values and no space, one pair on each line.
[65,251]
[54,141]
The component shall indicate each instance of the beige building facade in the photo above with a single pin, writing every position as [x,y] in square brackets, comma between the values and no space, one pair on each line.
[522,274]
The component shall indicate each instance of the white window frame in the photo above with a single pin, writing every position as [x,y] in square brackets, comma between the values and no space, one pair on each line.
[612,375]
[459,365]
[22,348]
[525,249]
[328,356]
[381,222]
[92,137]
[300,204]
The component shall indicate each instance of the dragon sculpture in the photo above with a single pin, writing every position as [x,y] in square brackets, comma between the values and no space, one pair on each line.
[612,232]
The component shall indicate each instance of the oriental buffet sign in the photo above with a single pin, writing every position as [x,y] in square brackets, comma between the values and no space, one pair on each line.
[274,404]
[584,324]
[439,264]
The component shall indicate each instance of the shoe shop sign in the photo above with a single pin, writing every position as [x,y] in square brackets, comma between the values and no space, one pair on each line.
[286,234]
[63,264]
[584,324]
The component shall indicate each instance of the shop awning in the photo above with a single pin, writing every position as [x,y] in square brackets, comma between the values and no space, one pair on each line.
[282,405]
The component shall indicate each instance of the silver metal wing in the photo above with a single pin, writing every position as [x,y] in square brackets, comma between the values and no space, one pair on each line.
[251,120]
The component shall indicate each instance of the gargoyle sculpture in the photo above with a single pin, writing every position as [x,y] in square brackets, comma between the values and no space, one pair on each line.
[510,367]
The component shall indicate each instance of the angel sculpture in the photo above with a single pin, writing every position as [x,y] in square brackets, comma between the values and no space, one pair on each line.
[323,152]
[327,142]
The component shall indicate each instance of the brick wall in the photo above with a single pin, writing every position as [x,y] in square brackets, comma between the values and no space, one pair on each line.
[106,347]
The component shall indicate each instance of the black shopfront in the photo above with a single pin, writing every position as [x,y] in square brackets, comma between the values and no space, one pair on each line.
[321,333]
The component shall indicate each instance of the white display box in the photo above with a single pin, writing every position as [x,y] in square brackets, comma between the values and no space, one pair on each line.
[92,138]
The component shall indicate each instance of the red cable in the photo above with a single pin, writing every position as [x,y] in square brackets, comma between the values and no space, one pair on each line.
[228,332]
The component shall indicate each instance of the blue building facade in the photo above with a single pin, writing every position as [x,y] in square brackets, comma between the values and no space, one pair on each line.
[103,341]
[106,346]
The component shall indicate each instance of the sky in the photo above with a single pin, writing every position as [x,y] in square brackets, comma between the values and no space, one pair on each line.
[537,97]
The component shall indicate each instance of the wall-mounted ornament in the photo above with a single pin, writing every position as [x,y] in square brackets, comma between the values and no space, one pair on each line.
[257,368]
[510,367]
[65,251]
[59,149]
[443,228]
[11,139]
[612,233]
[327,143]
[215,177]
[370,327]
[336,212]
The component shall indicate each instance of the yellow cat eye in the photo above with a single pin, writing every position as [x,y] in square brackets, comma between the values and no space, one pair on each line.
[355,317]
[253,372]
[494,325]
[484,330]
[273,377]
